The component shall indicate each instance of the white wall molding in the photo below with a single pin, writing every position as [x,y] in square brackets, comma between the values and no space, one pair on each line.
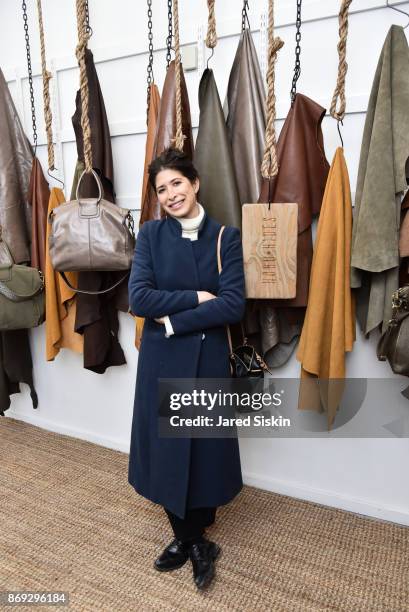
[261,481]
[327,498]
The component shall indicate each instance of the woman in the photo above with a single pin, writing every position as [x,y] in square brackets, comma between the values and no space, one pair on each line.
[176,286]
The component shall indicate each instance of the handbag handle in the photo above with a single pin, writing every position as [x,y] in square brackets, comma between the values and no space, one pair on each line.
[98,180]
[16,297]
[219,267]
[219,241]
[5,251]
[83,291]
[5,290]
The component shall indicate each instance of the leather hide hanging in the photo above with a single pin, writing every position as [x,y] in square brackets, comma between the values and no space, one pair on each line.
[96,316]
[16,160]
[166,129]
[213,158]
[329,327]
[38,197]
[382,180]
[303,171]
[148,197]
[244,109]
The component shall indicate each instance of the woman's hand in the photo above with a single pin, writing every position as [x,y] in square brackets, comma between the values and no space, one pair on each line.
[205,296]
[160,320]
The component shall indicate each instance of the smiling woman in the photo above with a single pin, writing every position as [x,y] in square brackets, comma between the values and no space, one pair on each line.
[176,286]
[177,193]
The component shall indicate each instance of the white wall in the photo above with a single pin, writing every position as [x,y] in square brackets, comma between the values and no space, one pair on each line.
[362,475]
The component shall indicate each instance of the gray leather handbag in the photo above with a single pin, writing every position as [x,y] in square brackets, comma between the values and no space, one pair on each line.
[21,293]
[91,234]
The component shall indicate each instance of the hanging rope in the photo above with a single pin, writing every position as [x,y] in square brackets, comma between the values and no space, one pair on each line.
[211,38]
[178,140]
[269,166]
[339,92]
[83,37]
[46,91]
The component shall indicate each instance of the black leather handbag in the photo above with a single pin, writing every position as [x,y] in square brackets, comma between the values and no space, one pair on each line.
[244,359]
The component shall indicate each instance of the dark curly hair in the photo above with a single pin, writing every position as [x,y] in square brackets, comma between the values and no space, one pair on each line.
[172,159]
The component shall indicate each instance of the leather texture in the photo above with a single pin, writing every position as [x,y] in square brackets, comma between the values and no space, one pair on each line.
[380,185]
[166,129]
[244,109]
[148,197]
[245,362]
[203,555]
[96,316]
[394,342]
[329,327]
[174,556]
[60,301]
[90,234]
[38,197]
[16,366]
[100,135]
[213,157]
[16,159]
[302,175]
[21,294]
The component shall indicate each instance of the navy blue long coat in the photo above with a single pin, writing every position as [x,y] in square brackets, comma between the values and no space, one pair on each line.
[167,272]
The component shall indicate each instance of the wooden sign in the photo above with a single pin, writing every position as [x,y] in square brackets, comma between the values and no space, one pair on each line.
[270,250]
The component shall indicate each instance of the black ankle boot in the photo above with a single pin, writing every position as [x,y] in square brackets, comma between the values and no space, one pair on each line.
[175,555]
[203,553]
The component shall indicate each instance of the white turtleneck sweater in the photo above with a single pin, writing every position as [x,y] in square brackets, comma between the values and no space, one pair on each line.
[190,230]
[190,227]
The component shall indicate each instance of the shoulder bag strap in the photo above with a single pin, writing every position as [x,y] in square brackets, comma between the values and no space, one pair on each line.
[16,297]
[67,282]
[219,267]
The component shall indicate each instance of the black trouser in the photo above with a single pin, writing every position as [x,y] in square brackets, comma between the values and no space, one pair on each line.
[194,523]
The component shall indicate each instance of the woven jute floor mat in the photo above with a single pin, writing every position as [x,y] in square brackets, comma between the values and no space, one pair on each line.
[71,522]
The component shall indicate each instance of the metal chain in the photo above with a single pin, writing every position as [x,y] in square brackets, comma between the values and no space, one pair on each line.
[30,74]
[150,77]
[244,16]
[88,28]
[170,34]
[297,67]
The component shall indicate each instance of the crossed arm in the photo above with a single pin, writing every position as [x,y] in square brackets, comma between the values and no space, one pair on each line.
[144,299]
[182,307]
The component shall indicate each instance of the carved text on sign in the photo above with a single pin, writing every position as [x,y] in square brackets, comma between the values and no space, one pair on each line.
[269,238]
[268,250]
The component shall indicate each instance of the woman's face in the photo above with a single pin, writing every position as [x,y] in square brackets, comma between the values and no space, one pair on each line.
[176,194]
